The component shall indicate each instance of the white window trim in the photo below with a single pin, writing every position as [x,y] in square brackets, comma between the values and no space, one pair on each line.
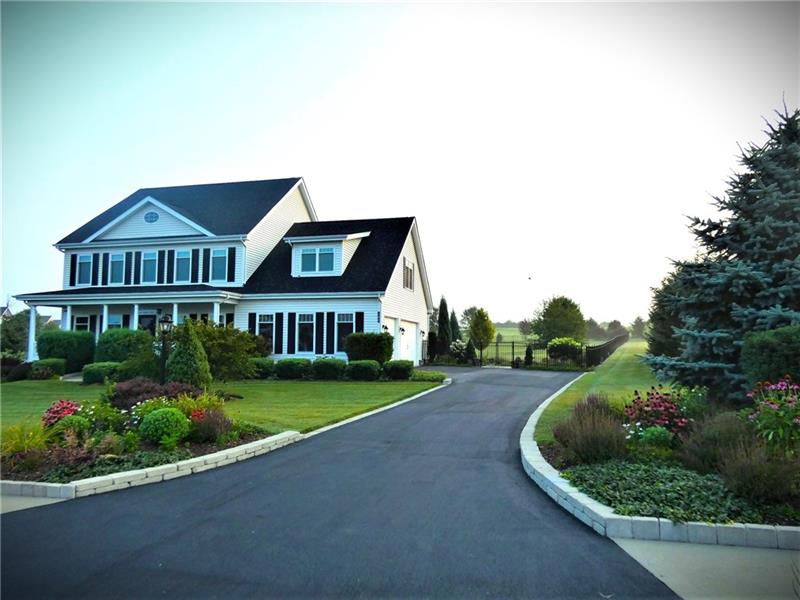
[111,256]
[313,323]
[407,264]
[78,271]
[114,316]
[175,266]
[316,251]
[339,316]
[75,324]
[141,268]
[211,266]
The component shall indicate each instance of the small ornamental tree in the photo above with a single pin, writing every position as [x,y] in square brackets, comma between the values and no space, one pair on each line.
[469,352]
[466,317]
[616,329]
[594,331]
[559,317]
[228,350]
[637,327]
[443,332]
[455,328]
[188,362]
[525,327]
[481,330]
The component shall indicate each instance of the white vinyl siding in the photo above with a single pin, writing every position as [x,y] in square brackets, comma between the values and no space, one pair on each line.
[266,235]
[349,248]
[135,226]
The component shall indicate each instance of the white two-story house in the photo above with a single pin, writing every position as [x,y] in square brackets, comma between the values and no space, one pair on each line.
[251,254]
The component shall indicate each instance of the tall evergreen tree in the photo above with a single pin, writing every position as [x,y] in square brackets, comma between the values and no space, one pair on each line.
[455,328]
[748,275]
[664,318]
[637,327]
[443,333]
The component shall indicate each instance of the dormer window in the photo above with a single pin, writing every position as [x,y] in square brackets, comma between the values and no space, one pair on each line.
[316,260]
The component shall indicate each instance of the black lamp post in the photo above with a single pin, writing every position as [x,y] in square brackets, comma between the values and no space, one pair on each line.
[164,326]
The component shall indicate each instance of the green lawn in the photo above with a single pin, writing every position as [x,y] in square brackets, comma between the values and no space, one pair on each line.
[275,405]
[617,377]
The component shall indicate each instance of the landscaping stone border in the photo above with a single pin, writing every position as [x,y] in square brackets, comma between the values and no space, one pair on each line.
[606,522]
[197,464]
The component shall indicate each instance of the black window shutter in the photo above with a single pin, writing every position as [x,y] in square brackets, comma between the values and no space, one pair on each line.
[359,321]
[100,322]
[73,268]
[331,331]
[93,323]
[277,334]
[319,334]
[195,264]
[137,268]
[105,268]
[232,263]
[95,267]
[170,266]
[126,321]
[228,318]
[160,266]
[251,323]
[128,267]
[292,333]
[206,263]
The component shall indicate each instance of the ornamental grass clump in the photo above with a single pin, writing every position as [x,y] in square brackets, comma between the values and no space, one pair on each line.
[592,433]
[752,471]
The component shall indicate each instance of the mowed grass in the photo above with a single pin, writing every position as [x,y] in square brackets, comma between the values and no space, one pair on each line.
[617,377]
[276,405]
[512,334]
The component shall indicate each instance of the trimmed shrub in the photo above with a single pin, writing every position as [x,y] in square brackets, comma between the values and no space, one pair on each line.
[398,369]
[564,348]
[711,439]
[592,433]
[369,346]
[434,376]
[164,424]
[529,355]
[469,352]
[263,368]
[144,363]
[751,471]
[363,370]
[9,360]
[228,350]
[328,368]
[100,371]
[77,347]
[188,362]
[22,371]
[41,373]
[771,355]
[118,345]
[293,368]
[57,366]
[57,411]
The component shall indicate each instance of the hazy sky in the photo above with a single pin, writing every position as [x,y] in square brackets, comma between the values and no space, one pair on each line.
[565,143]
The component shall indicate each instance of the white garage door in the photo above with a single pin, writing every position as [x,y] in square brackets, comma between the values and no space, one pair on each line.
[408,341]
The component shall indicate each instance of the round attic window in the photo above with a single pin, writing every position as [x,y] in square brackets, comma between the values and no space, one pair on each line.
[150,217]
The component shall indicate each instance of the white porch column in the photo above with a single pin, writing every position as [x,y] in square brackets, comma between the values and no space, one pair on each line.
[215,313]
[32,355]
[135,317]
[175,313]
[66,318]
[105,318]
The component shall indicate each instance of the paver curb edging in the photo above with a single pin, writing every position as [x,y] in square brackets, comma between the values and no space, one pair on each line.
[125,479]
[606,522]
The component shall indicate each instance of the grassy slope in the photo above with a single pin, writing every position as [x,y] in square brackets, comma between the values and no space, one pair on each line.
[276,405]
[622,373]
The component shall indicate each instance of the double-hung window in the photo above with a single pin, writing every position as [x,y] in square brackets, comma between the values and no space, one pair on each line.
[116,268]
[305,333]
[219,264]
[266,329]
[81,323]
[316,260]
[408,274]
[84,269]
[344,327]
[149,266]
[114,321]
[183,265]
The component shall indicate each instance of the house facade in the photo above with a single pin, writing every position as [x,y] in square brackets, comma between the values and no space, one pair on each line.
[252,254]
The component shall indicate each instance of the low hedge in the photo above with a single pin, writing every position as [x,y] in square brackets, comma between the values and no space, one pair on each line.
[263,367]
[369,346]
[100,371]
[77,347]
[398,369]
[58,366]
[328,369]
[363,370]
[434,376]
[118,345]
[293,368]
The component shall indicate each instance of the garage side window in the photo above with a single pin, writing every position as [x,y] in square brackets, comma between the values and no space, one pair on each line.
[344,327]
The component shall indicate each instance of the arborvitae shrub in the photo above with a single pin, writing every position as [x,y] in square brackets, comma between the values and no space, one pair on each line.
[188,362]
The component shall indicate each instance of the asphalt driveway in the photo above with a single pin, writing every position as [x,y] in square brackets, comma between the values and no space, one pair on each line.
[426,500]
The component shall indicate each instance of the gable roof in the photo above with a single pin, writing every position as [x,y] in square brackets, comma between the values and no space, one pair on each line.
[220,208]
[369,270]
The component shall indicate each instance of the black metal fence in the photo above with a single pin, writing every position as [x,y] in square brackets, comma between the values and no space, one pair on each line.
[594,355]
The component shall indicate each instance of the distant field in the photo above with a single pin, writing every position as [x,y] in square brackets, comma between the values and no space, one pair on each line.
[512,334]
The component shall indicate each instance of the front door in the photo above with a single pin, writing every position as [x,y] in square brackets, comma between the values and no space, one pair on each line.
[148,322]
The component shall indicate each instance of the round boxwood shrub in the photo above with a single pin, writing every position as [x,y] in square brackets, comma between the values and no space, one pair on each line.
[369,346]
[77,347]
[100,371]
[58,366]
[293,368]
[164,423]
[328,368]
[771,355]
[363,370]
[263,367]
[117,345]
[398,369]
[564,349]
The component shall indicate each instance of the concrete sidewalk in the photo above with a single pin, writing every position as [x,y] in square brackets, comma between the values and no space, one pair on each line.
[696,571]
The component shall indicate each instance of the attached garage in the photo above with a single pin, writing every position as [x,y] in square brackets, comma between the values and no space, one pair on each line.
[409,341]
